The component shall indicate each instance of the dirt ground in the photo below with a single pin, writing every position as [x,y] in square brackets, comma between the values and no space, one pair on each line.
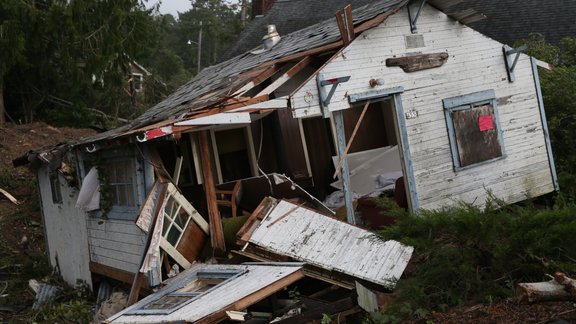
[20,225]
[22,236]
[22,244]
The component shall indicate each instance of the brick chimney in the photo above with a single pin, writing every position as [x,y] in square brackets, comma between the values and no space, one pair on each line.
[261,7]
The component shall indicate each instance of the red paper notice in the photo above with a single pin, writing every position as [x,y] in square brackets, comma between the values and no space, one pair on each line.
[485,123]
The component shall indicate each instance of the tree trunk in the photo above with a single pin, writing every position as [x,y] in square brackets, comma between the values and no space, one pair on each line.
[559,288]
[2,107]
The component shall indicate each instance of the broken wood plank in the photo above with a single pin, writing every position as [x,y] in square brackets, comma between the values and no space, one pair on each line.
[286,76]
[342,28]
[418,62]
[254,298]
[139,277]
[351,139]
[317,313]
[267,73]
[216,231]
[110,272]
[253,221]
[218,119]
[9,196]
[273,104]
[348,21]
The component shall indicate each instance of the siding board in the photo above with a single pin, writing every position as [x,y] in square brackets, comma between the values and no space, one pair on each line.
[475,64]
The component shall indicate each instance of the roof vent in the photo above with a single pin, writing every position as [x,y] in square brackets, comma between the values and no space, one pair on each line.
[269,40]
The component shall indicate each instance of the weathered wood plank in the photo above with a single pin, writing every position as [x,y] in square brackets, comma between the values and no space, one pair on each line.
[418,62]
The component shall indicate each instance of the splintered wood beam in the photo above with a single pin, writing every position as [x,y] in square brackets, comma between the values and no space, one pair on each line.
[286,76]
[342,27]
[278,103]
[226,118]
[349,22]
[351,140]
[139,277]
[418,62]
[267,73]
[216,231]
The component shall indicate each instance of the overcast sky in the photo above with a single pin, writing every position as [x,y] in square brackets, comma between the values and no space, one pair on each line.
[174,6]
[171,6]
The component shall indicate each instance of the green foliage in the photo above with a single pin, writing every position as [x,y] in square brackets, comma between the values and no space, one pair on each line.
[220,24]
[62,60]
[61,46]
[71,305]
[559,94]
[326,319]
[466,255]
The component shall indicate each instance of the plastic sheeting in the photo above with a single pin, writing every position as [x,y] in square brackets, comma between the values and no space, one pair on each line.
[89,196]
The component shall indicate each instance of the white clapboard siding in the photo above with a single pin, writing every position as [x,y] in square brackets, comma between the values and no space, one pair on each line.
[475,64]
[65,228]
[115,243]
[330,244]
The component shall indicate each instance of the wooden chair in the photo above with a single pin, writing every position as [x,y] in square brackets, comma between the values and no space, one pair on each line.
[230,198]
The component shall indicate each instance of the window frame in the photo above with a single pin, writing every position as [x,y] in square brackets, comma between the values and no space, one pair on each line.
[465,102]
[55,187]
[172,291]
[137,85]
[117,212]
[125,212]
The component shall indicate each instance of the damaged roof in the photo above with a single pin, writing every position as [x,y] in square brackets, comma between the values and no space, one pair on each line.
[326,244]
[288,16]
[213,89]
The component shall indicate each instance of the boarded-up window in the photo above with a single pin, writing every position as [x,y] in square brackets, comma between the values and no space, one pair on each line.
[475,134]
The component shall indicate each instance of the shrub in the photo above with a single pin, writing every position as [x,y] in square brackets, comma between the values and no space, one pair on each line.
[464,254]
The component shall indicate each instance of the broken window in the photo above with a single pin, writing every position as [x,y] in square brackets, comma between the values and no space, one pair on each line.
[136,82]
[473,128]
[55,187]
[200,282]
[118,183]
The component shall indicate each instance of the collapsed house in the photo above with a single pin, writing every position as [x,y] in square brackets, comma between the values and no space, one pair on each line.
[396,98]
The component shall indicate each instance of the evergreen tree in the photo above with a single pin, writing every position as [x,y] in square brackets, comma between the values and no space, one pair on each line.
[71,55]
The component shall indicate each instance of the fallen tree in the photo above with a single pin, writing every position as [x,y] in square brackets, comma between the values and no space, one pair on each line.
[559,288]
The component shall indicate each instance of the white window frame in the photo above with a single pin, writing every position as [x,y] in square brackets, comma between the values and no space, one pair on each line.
[140,78]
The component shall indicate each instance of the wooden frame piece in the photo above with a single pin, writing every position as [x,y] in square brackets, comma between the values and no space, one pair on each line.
[253,298]
[286,76]
[418,62]
[254,220]
[216,231]
[234,197]
[218,119]
[267,73]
